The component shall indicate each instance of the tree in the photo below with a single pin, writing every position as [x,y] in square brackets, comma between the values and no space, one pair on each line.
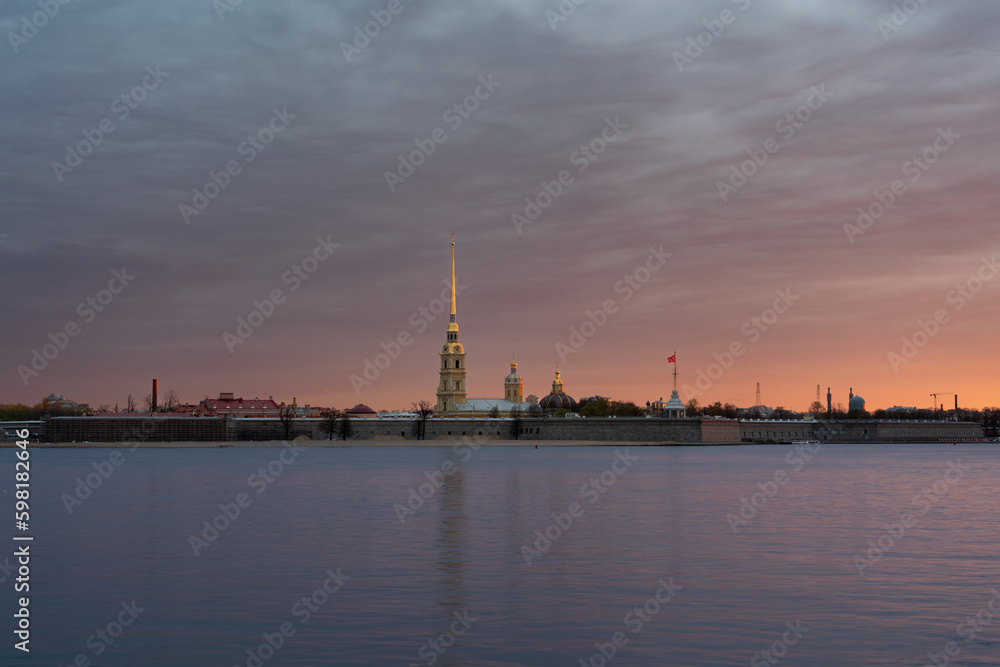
[329,423]
[494,412]
[991,421]
[816,409]
[423,410]
[171,400]
[595,407]
[16,412]
[729,411]
[148,402]
[104,408]
[286,415]
[692,409]
[346,428]
[625,409]
[515,423]
[534,411]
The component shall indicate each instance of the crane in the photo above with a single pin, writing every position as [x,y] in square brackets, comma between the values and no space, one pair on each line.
[941,393]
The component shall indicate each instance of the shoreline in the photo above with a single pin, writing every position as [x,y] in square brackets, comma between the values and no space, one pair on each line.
[444,442]
[438,442]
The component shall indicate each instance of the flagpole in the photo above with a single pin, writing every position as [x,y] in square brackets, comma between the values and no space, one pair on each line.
[675,370]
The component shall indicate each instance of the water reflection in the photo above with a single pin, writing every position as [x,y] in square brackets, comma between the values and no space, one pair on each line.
[451,563]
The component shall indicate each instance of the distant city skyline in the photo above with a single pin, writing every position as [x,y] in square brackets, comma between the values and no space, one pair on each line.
[260,201]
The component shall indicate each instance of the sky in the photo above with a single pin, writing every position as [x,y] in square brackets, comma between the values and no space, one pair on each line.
[624,180]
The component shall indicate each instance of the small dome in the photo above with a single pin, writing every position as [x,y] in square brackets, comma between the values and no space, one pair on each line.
[513,376]
[856,403]
[360,409]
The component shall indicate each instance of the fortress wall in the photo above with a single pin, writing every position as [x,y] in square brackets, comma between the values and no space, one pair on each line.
[214,429]
[625,430]
[861,430]
[720,430]
[134,429]
[929,431]
[781,431]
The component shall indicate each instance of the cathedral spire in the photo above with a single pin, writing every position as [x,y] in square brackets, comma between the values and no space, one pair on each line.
[453,300]
[451,388]
[452,321]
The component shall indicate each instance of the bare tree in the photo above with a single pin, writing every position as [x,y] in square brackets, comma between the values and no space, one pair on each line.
[130,404]
[329,423]
[515,423]
[148,403]
[286,415]
[423,410]
[494,412]
[346,428]
[170,400]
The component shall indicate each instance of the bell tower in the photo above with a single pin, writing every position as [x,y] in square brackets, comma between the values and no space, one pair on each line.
[451,387]
[513,385]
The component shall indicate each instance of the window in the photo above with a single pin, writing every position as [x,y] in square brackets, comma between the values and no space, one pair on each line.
[458,363]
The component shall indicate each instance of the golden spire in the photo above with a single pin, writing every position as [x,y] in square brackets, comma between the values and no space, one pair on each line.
[454,310]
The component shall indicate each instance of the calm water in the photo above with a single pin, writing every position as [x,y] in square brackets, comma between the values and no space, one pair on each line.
[663,515]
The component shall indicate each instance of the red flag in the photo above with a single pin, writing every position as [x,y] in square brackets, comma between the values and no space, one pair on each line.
[672,359]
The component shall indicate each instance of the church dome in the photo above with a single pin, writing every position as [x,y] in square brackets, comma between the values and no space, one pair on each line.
[856,403]
[513,376]
[558,399]
[554,402]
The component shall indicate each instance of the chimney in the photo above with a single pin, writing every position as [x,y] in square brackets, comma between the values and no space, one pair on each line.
[154,394]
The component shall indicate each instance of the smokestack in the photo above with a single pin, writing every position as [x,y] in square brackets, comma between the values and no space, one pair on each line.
[154,394]
[956,406]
